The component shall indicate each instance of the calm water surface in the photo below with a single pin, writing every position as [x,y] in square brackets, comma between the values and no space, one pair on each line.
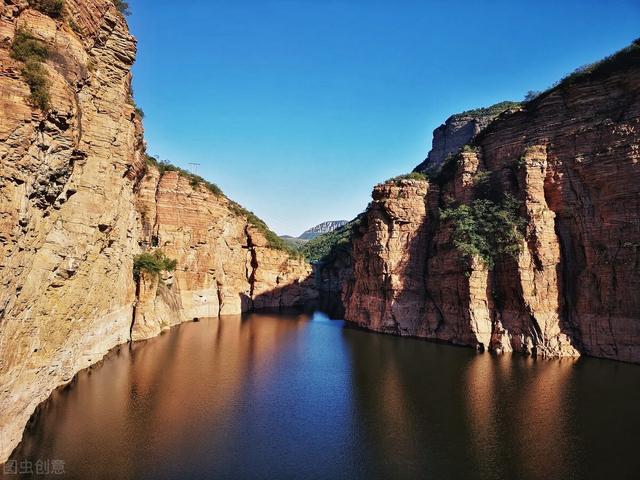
[299,396]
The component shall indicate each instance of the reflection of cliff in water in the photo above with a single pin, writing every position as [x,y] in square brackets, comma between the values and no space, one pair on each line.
[435,411]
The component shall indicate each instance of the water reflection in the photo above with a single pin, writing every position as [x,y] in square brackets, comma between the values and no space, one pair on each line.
[290,396]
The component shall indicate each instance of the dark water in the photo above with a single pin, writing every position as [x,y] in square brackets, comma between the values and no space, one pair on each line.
[278,397]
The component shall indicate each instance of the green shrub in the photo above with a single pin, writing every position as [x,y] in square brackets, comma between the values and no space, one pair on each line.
[28,49]
[139,111]
[38,80]
[447,171]
[408,176]
[53,8]
[469,149]
[493,110]
[486,230]
[153,263]
[122,6]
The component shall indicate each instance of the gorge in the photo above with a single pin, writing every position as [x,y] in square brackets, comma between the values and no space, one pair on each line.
[81,201]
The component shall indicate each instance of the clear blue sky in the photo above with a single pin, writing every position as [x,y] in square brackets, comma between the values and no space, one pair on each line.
[297,108]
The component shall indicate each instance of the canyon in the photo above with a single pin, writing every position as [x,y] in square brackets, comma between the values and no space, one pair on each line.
[80,201]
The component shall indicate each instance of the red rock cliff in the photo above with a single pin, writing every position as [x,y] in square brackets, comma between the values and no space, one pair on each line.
[572,158]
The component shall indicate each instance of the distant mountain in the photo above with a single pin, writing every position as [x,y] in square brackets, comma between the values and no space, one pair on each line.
[324,227]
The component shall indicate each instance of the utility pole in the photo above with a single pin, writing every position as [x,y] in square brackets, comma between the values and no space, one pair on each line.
[194,167]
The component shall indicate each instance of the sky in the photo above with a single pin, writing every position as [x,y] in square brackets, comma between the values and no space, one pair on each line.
[296,108]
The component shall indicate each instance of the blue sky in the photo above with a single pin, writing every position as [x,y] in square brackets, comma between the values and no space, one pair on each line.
[297,108]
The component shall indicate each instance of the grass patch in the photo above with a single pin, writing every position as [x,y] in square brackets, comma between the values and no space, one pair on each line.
[486,230]
[326,246]
[52,8]
[194,180]
[153,263]
[420,176]
[491,111]
[33,52]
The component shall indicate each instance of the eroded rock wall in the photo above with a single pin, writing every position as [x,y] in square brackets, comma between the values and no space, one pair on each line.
[225,266]
[572,158]
[78,202]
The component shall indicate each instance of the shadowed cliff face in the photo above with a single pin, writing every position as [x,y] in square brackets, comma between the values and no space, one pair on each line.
[572,158]
[78,202]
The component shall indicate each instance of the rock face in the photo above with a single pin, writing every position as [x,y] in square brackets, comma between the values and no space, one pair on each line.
[572,158]
[225,266]
[76,206]
[457,131]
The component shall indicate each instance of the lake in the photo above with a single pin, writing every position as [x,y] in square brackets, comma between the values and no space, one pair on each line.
[278,396]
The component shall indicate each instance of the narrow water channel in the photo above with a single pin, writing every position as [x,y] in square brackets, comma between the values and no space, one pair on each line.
[302,396]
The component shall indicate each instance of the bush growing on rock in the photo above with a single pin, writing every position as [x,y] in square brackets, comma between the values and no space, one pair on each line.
[33,52]
[52,8]
[122,6]
[153,263]
[408,176]
[485,229]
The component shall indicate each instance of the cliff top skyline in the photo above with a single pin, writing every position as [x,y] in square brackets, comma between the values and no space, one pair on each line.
[312,104]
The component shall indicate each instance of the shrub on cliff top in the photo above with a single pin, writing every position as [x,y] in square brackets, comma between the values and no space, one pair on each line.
[408,176]
[272,238]
[153,263]
[491,111]
[32,51]
[122,6]
[52,8]
[194,180]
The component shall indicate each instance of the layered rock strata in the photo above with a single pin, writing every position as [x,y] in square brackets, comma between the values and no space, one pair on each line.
[572,159]
[457,131]
[77,203]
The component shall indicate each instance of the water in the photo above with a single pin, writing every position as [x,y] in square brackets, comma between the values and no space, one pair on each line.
[298,396]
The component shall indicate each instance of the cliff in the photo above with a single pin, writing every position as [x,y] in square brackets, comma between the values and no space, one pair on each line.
[569,161]
[457,131]
[78,202]
[324,227]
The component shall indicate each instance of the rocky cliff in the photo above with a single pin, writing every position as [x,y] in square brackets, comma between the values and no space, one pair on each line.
[78,202]
[570,160]
[457,131]
[324,227]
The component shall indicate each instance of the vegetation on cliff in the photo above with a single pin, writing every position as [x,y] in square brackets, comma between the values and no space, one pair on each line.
[273,240]
[122,6]
[420,176]
[491,111]
[324,247]
[486,229]
[619,61]
[52,8]
[153,263]
[33,52]
[163,166]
